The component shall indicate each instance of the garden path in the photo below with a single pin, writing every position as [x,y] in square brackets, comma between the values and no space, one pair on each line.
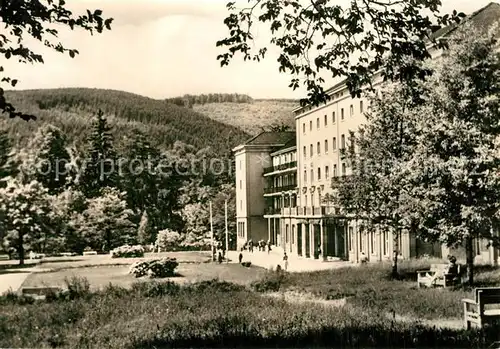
[12,281]
[298,297]
[295,264]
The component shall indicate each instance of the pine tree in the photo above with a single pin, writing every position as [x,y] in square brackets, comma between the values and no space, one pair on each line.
[139,178]
[101,168]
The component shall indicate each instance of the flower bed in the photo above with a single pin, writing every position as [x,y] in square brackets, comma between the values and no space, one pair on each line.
[155,268]
[127,251]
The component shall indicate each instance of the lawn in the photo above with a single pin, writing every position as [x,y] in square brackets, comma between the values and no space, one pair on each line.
[101,276]
[236,310]
[208,314]
[370,287]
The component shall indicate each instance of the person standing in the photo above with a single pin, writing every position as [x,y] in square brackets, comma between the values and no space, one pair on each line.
[285,261]
[240,257]
[268,246]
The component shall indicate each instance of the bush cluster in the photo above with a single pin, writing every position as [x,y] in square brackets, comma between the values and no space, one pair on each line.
[271,282]
[155,268]
[127,251]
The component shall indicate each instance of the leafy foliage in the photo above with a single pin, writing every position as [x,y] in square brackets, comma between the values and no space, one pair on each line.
[127,251]
[105,223]
[42,18]
[48,160]
[455,194]
[167,239]
[25,208]
[427,159]
[155,268]
[319,39]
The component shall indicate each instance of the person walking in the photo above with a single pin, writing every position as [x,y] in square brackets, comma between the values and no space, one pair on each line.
[240,257]
[268,246]
[285,261]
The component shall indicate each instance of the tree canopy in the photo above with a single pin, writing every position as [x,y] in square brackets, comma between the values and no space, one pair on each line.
[322,37]
[426,162]
[39,19]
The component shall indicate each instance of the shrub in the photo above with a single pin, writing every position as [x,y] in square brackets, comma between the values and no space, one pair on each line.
[167,239]
[156,268]
[246,264]
[214,285]
[272,281]
[127,251]
[155,289]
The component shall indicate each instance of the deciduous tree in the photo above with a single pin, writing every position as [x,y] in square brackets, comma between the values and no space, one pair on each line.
[322,39]
[25,209]
[48,160]
[106,223]
[375,191]
[454,169]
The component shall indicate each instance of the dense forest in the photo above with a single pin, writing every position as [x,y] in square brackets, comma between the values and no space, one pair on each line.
[71,109]
[188,100]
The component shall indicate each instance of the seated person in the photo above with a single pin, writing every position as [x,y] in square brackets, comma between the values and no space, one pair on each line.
[451,269]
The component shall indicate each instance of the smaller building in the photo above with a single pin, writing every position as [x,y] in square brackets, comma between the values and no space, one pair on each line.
[253,160]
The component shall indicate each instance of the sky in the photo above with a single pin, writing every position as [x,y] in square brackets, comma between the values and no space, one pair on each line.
[161,49]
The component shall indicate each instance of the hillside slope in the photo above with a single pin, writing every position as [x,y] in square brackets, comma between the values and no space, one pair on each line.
[251,117]
[71,110]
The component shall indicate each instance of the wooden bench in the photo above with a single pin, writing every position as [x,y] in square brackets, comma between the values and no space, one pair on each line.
[475,311]
[89,253]
[425,277]
[40,292]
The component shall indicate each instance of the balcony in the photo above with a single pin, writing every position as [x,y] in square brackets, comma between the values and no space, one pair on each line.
[281,167]
[317,211]
[289,211]
[272,211]
[302,211]
[273,190]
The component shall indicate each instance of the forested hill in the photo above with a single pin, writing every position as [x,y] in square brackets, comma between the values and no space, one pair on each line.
[72,108]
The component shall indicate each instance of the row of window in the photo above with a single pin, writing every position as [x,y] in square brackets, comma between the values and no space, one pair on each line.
[327,172]
[313,203]
[318,146]
[334,117]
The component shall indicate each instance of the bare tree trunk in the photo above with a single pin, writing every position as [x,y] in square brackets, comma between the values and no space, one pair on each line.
[394,271]
[469,255]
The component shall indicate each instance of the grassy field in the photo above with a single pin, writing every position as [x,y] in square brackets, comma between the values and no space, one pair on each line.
[101,270]
[236,310]
[101,276]
[208,314]
[370,287]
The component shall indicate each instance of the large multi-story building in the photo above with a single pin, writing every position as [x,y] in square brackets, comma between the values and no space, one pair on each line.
[282,179]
